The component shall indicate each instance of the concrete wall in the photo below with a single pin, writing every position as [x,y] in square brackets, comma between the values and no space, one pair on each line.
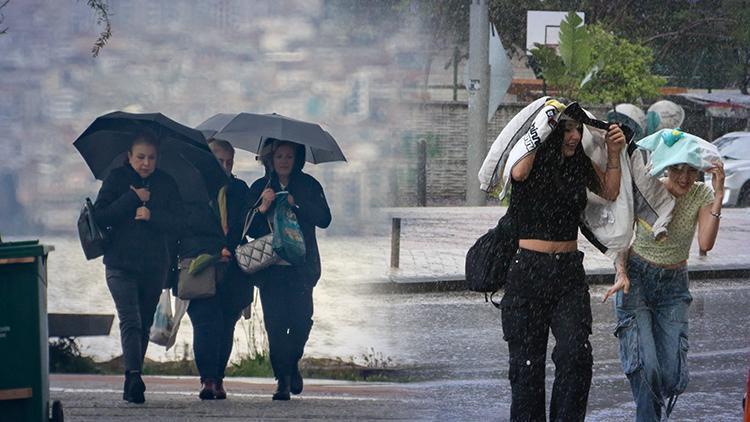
[444,126]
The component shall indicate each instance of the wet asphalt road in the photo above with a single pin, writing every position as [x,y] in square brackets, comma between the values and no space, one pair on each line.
[457,338]
[453,341]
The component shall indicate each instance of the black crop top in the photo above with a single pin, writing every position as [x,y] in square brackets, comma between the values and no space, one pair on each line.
[548,205]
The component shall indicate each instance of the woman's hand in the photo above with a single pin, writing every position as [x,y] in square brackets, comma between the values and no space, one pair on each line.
[615,139]
[225,255]
[621,282]
[267,198]
[143,193]
[717,178]
[142,213]
[290,199]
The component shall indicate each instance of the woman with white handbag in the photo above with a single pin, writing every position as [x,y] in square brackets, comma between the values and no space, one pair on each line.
[286,289]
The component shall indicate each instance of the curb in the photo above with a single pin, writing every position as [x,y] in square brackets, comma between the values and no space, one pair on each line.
[598,276]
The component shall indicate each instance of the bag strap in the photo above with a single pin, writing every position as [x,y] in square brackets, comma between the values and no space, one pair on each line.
[251,214]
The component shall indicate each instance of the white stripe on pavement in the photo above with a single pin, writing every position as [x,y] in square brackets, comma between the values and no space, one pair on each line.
[247,395]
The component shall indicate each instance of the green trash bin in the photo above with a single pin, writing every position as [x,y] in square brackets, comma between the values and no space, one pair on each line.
[24,353]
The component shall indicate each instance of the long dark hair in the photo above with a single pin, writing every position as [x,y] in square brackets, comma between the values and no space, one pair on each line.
[566,172]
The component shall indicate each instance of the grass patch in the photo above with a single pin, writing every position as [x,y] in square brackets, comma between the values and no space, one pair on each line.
[65,357]
[255,365]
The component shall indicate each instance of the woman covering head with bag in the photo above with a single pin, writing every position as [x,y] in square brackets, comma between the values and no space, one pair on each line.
[651,288]
[143,207]
[545,287]
[286,289]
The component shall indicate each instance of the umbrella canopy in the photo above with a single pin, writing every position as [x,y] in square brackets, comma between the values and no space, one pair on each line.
[183,152]
[248,130]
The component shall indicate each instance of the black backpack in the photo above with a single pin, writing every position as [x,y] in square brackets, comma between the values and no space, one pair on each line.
[93,239]
[487,261]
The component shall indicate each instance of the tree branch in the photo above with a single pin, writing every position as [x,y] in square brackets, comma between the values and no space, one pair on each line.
[101,9]
[2,18]
[686,29]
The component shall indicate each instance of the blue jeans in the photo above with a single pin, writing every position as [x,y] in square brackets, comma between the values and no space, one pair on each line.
[652,328]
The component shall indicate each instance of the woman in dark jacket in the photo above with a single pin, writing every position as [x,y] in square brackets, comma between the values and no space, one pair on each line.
[142,207]
[286,290]
[216,229]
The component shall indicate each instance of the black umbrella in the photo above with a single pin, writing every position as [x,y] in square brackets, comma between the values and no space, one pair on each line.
[248,130]
[183,152]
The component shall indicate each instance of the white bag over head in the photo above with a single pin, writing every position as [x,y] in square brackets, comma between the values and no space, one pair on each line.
[531,126]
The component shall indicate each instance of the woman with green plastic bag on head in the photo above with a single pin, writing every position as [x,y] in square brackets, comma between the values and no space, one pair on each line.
[286,288]
[651,288]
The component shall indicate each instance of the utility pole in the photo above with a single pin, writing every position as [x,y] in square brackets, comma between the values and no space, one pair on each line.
[479,84]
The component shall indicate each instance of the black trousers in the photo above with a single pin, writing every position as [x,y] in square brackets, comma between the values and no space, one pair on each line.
[287,312]
[547,291]
[136,295]
[214,319]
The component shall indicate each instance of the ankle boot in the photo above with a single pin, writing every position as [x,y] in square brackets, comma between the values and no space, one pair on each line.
[219,392]
[282,388]
[296,384]
[208,390]
[134,387]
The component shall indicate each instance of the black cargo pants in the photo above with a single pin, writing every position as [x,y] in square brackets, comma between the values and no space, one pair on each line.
[542,292]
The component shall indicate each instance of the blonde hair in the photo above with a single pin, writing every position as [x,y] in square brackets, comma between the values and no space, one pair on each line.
[214,143]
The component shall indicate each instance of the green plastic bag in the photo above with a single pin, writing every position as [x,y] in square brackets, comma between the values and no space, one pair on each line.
[288,241]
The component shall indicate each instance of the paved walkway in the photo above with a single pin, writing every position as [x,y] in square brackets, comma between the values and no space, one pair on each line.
[98,398]
[434,242]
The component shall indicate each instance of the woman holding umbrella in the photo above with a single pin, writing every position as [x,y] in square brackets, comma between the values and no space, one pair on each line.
[286,290]
[142,206]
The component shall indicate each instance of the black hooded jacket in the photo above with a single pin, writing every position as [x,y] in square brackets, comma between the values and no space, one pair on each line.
[137,245]
[311,209]
[203,234]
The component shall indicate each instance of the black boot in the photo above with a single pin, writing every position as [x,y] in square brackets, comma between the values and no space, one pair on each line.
[282,388]
[208,390]
[296,384]
[134,387]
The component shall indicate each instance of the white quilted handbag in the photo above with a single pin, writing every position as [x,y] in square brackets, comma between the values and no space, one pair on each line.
[256,254]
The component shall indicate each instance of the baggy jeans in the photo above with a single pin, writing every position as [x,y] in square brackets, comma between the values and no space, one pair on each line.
[287,313]
[652,328]
[547,291]
[136,295]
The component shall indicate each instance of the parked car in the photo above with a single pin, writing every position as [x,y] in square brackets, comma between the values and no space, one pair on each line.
[735,151]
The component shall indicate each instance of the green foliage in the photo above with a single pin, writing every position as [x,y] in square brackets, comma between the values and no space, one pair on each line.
[257,364]
[698,44]
[565,72]
[65,357]
[596,66]
[623,70]
[575,46]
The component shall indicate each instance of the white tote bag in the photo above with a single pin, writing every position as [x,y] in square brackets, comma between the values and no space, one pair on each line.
[167,323]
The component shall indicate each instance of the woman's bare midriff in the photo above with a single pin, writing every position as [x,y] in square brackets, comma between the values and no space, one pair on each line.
[548,246]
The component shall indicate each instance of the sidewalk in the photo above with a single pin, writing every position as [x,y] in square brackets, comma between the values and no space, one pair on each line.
[98,398]
[434,242]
